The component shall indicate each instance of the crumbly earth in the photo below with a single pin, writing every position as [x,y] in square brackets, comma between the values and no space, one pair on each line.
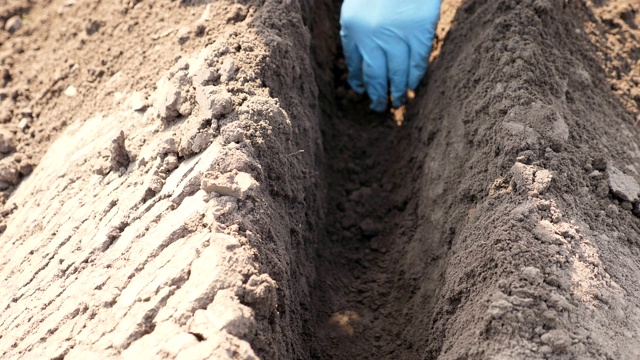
[192,179]
[501,221]
[171,215]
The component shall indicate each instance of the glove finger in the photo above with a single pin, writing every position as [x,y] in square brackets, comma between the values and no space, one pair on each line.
[353,58]
[374,70]
[398,67]
[420,51]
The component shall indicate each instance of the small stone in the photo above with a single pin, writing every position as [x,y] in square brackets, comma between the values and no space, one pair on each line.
[623,186]
[13,24]
[23,125]
[70,91]
[138,101]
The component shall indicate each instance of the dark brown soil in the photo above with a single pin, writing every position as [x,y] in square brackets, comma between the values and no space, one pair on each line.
[480,229]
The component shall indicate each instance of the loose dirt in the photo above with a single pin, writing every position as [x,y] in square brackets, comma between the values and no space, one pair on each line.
[486,241]
[193,179]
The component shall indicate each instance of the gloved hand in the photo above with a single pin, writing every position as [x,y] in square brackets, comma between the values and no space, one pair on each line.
[387,41]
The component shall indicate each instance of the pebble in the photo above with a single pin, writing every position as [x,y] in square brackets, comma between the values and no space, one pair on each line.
[138,101]
[623,186]
[23,124]
[13,24]
[71,91]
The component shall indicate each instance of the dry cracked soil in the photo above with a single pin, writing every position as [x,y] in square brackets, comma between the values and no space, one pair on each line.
[191,179]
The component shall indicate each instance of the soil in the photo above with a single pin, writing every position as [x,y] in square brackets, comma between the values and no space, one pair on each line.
[193,179]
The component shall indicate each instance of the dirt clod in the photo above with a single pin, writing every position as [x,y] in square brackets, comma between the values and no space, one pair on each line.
[118,155]
[623,186]
[13,24]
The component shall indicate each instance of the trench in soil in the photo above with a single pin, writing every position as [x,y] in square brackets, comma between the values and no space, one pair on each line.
[360,296]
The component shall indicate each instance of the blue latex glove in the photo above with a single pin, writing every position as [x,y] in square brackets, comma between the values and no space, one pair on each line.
[387,41]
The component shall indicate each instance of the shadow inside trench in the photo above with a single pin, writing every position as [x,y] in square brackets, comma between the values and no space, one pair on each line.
[371,170]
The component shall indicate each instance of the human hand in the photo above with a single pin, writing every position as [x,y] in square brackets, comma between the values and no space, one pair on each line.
[387,41]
